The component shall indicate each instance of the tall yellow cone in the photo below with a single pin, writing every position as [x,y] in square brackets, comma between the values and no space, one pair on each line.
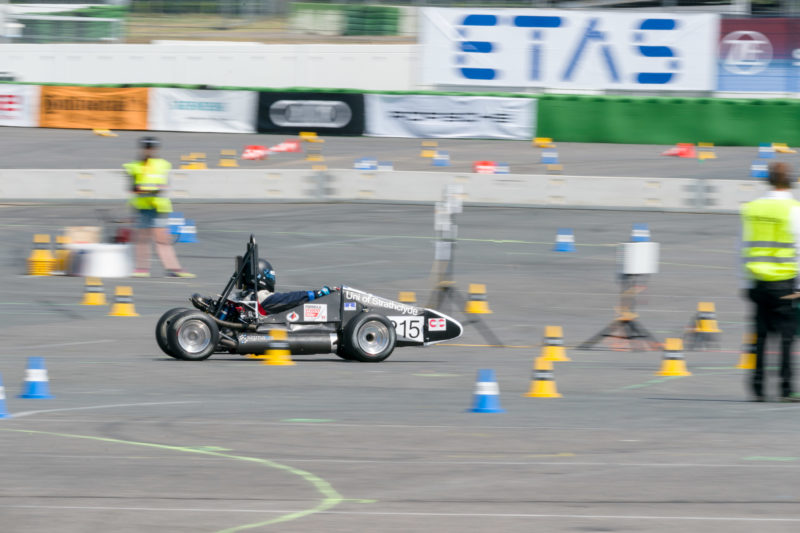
[61,257]
[706,321]
[747,361]
[40,262]
[476,300]
[428,148]
[278,353]
[553,349]
[93,292]
[543,384]
[673,363]
[123,302]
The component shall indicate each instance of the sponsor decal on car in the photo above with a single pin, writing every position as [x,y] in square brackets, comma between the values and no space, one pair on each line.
[292,317]
[376,301]
[437,324]
[315,312]
[244,338]
[349,306]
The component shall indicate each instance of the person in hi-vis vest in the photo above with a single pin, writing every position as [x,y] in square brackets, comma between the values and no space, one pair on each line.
[770,249]
[149,178]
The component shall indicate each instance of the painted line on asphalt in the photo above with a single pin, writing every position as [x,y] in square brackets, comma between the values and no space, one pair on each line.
[108,406]
[57,345]
[570,516]
[331,497]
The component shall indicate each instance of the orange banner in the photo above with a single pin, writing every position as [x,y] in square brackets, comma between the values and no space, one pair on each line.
[94,107]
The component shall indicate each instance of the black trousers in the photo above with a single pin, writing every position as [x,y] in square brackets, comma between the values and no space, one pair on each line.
[777,315]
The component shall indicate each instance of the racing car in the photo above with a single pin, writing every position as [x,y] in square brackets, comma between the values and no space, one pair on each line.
[349,322]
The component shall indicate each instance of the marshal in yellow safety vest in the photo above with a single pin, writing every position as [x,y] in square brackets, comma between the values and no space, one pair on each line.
[150,178]
[768,247]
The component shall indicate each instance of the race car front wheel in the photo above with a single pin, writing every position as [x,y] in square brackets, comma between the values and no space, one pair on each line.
[162,326]
[369,338]
[193,336]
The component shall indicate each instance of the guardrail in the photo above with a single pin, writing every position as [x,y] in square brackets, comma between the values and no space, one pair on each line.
[592,192]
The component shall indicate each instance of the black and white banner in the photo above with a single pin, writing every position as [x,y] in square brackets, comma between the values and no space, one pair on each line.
[200,110]
[453,117]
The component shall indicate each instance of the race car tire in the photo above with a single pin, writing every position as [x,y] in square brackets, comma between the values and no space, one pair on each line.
[193,336]
[162,326]
[369,338]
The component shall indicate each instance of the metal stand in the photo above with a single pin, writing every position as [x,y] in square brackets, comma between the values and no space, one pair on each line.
[625,327]
[446,290]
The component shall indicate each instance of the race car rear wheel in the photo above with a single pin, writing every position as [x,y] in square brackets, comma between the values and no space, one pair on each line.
[193,336]
[162,327]
[369,338]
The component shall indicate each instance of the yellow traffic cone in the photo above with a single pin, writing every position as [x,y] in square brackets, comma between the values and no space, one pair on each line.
[428,149]
[123,303]
[93,292]
[553,349]
[407,297]
[543,142]
[61,257]
[40,262]
[278,353]
[227,158]
[747,361]
[673,363]
[706,321]
[543,384]
[476,301]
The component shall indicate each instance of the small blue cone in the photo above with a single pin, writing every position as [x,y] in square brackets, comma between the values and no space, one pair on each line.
[441,159]
[3,410]
[549,157]
[565,241]
[759,169]
[365,163]
[36,384]
[502,168]
[640,233]
[487,394]
[385,166]
[766,151]
[174,222]
[187,232]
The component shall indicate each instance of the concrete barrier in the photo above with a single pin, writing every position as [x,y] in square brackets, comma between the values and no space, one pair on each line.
[224,185]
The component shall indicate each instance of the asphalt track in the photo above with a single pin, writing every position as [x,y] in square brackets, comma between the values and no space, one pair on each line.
[54,148]
[135,441]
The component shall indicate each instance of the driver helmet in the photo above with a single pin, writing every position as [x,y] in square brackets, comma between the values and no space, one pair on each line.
[266,275]
[149,142]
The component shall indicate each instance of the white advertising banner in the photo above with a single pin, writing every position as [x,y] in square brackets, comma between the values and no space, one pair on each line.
[453,117]
[199,110]
[548,48]
[19,105]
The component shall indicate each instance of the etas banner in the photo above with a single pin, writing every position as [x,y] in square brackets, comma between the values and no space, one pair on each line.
[453,117]
[93,107]
[19,105]
[556,49]
[207,111]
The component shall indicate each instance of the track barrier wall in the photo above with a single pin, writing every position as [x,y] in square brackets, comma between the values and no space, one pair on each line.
[672,194]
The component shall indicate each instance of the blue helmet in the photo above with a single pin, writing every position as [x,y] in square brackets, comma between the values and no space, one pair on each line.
[266,275]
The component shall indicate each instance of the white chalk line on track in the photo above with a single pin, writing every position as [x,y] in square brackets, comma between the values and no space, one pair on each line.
[413,513]
[110,406]
[57,345]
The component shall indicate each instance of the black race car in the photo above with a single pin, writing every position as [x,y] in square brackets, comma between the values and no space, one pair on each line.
[349,322]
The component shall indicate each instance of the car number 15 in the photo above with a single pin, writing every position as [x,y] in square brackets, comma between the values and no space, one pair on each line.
[409,327]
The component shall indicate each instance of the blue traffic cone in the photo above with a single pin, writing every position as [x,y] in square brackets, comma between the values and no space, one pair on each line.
[3,410]
[36,385]
[175,221]
[640,233]
[441,159]
[549,157]
[487,394]
[565,241]
[766,151]
[758,169]
[187,232]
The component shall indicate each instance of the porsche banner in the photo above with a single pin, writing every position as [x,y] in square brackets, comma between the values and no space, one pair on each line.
[19,105]
[94,107]
[453,117]
[203,110]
